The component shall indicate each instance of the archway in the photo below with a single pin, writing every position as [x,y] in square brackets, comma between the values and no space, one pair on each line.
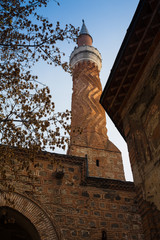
[38,219]
[15,226]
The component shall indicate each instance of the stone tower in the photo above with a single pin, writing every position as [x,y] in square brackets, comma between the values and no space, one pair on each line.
[88,126]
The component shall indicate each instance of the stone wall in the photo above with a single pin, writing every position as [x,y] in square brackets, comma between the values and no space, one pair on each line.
[141,127]
[77,206]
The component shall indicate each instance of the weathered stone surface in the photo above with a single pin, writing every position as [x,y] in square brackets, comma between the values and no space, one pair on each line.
[80,210]
[132,99]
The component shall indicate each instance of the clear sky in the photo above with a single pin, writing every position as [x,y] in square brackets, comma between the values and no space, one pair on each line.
[107,22]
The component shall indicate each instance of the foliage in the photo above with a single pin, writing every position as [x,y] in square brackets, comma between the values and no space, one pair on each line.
[27,113]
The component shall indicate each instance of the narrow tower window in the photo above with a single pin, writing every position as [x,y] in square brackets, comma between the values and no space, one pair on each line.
[97,163]
[104,235]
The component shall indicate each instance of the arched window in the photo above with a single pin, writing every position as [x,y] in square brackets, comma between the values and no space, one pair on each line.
[104,235]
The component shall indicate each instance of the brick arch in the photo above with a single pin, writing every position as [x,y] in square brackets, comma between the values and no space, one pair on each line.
[33,212]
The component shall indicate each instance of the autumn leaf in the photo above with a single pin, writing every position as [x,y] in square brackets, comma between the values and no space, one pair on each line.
[28,119]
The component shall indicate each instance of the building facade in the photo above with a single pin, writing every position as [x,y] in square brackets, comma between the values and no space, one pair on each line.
[68,204]
[134,107]
[81,195]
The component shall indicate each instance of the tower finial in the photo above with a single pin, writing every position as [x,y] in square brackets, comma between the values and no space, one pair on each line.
[84,37]
[84,29]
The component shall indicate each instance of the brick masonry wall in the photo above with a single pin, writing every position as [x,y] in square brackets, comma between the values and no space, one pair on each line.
[88,125]
[33,212]
[82,207]
[109,161]
[142,130]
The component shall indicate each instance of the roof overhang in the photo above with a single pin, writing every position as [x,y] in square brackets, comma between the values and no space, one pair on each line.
[140,41]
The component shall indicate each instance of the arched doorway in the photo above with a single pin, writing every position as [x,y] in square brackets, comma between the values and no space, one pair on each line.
[34,213]
[15,226]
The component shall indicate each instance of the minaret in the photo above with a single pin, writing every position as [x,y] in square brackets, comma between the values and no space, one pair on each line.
[88,126]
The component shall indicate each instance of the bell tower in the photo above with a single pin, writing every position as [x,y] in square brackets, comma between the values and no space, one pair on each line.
[88,125]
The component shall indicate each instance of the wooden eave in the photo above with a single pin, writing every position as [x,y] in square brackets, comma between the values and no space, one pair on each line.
[138,45]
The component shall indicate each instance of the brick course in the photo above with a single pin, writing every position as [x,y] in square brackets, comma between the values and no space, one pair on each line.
[88,125]
[133,96]
[77,206]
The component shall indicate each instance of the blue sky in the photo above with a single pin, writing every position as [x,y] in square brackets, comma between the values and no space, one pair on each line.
[107,22]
